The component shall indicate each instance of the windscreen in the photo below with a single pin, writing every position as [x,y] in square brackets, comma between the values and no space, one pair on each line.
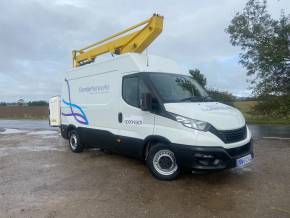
[178,88]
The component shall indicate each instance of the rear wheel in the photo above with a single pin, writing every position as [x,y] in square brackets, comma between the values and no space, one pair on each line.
[162,163]
[74,142]
[64,132]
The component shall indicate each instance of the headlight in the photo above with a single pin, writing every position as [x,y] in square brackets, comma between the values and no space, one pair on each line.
[190,123]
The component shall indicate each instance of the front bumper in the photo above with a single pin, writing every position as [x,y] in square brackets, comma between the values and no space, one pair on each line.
[210,158]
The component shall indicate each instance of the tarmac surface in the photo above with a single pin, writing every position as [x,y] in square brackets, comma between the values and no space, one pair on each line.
[41,177]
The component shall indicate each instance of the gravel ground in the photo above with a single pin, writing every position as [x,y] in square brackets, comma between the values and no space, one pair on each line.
[41,177]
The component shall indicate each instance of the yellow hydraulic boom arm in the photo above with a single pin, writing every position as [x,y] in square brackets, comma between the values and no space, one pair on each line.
[119,43]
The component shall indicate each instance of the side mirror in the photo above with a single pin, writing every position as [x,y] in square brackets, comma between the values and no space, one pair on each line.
[146,102]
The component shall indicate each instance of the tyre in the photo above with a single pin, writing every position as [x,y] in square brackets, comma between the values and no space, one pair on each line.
[74,142]
[162,163]
[64,133]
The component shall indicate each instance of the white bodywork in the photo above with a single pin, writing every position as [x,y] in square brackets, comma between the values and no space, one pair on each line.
[95,93]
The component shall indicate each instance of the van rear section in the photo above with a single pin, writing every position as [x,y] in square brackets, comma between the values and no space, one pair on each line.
[54,111]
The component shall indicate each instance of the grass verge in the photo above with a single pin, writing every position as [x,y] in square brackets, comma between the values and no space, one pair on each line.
[246,107]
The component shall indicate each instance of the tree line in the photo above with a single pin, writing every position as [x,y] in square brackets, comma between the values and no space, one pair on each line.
[22,103]
[265,54]
[221,96]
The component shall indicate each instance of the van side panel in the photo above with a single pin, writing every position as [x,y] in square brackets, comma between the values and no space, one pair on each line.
[92,98]
[90,104]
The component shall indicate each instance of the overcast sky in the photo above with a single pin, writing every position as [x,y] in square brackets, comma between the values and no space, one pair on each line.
[37,37]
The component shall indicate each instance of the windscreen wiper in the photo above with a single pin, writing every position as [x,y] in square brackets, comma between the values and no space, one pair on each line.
[191,98]
[197,99]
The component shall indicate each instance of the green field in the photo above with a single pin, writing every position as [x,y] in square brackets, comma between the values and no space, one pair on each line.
[23,112]
[247,109]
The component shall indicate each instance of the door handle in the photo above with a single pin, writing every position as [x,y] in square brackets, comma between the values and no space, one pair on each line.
[120,117]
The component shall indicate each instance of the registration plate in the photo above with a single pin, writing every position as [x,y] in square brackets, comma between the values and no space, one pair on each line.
[243,161]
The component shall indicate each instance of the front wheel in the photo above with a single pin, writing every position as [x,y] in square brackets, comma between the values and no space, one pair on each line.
[162,163]
[74,142]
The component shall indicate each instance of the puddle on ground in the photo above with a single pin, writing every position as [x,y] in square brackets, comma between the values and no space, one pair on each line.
[49,136]
[46,133]
[41,148]
[41,135]
[5,151]
[42,132]
[12,131]
[48,165]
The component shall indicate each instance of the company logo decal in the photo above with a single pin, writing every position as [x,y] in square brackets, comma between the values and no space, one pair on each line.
[75,110]
[100,89]
[133,120]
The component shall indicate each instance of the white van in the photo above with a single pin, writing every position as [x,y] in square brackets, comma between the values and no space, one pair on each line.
[146,107]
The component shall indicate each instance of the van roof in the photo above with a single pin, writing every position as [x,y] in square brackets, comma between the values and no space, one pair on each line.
[130,62]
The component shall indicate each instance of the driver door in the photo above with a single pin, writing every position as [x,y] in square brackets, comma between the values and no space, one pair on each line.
[134,124]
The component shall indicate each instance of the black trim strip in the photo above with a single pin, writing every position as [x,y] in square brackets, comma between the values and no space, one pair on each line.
[190,156]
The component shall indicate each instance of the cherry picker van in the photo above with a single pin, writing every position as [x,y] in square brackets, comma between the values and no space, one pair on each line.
[147,107]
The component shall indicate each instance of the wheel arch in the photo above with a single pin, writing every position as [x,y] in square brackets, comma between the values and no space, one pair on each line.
[151,140]
[65,130]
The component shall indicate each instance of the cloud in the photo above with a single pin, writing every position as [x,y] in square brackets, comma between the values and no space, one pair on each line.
[37,37]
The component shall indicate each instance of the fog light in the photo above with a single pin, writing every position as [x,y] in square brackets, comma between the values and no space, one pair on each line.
[217,162]
[204,162]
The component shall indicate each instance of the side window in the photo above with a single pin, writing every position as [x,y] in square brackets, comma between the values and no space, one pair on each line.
[133,89]
[130,91]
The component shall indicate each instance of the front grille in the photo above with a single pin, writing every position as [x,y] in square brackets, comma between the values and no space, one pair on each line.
[239,151]
[230,136]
